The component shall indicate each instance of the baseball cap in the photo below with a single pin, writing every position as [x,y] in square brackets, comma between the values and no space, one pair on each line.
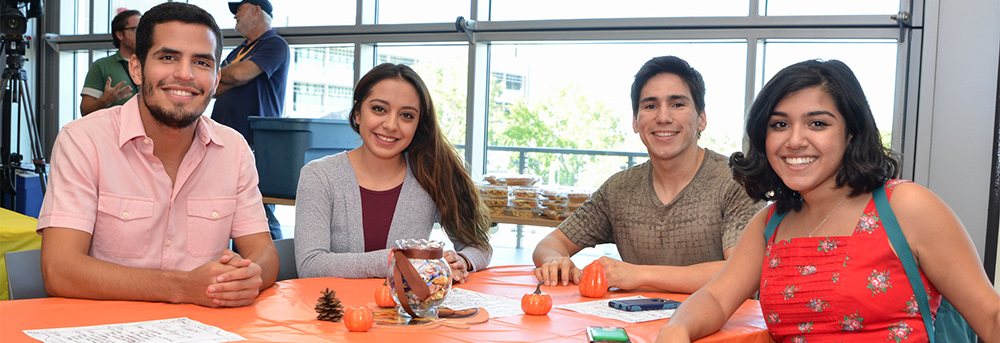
[264,5]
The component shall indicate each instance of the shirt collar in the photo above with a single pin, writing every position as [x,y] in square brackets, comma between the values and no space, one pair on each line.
[131,126]
[120,57]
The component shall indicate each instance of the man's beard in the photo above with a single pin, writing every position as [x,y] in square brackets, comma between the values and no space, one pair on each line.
[174,117]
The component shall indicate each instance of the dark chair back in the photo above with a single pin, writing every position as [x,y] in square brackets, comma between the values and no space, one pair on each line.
[286,257]
[24,274]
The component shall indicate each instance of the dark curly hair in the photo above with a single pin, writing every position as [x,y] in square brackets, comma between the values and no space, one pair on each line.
[866,164]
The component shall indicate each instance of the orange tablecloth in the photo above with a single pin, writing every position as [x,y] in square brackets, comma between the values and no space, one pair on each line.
[284,313]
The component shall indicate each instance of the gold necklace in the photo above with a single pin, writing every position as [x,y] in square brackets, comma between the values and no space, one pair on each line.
[827,216]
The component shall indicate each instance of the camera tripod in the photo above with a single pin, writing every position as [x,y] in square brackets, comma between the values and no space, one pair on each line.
[15,90]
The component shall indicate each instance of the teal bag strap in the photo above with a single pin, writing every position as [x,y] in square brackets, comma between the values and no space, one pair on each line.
[772,224]
[898,241]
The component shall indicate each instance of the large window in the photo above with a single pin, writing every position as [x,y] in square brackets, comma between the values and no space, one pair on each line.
[816,7]
[581,100]
[576,9]
[549,80]
[320,81]
[288,13]
[873,62]
[408,11]
[444,69]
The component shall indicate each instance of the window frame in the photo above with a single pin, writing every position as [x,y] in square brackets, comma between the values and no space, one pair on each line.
[753,28]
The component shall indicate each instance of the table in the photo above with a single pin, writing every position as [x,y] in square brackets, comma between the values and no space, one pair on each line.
[284,313]
[279,201]
[534,221]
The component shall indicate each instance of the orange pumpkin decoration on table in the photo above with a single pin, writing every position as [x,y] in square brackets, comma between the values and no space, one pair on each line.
[594,282]
[383,296]
[536,304]
[358,319]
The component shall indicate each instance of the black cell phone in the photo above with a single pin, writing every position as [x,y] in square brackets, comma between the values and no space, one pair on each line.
[644,304]
[606,334]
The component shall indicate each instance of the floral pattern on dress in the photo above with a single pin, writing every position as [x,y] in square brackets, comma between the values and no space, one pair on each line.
[867,224]
[900,331]
[912,309]
[879,282]
[854,322]
[773,318]
[817,305]
[827,245]
[806,272]
[806,327]
[789,291]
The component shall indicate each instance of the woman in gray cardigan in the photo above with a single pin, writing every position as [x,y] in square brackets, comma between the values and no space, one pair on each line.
[405,176]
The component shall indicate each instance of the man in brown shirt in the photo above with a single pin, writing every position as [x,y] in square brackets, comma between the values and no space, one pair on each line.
[676,218]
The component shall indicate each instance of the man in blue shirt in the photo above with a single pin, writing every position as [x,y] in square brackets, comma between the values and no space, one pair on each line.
[253,77]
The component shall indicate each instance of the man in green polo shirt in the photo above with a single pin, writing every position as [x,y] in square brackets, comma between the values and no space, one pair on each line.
[108,82]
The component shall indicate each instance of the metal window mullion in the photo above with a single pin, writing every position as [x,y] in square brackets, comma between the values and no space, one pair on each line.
[477,104]
[578,29]
[364,53]
[754,45]
[693,34]
[92,16]
[905,127]
[689,22]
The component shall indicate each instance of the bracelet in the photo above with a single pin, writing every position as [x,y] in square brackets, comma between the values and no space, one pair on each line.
[468,265]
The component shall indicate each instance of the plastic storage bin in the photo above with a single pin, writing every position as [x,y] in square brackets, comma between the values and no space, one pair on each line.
[284,145]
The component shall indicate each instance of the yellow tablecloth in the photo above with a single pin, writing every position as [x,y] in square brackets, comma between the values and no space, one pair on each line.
[17,232]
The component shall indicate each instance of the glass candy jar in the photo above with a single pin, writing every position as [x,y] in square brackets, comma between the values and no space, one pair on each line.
[424,276]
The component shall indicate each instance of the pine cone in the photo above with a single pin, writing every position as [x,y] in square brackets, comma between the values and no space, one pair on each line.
[329,308]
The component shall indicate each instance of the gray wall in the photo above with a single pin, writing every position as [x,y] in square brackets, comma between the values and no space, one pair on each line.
[956,110]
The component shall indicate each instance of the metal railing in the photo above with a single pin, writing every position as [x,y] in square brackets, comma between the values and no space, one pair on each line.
[522,154]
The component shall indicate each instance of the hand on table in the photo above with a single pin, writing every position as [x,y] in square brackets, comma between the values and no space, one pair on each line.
[459,270]
[558,270]
[620,274]
[232,281]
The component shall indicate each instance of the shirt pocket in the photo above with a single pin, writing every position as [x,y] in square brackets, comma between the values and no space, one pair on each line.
[124,225]
[210,221]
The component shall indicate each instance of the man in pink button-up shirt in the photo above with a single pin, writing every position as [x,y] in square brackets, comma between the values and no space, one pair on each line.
[145,197]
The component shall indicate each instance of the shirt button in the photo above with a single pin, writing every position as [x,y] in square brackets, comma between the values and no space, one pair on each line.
[215,215]
[155,165]
[125,215]
[168,242]
[145,141]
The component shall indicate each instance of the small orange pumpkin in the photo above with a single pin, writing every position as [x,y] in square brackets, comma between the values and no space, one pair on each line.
[593,282]
[358,319]
[383,296]
[536,304]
